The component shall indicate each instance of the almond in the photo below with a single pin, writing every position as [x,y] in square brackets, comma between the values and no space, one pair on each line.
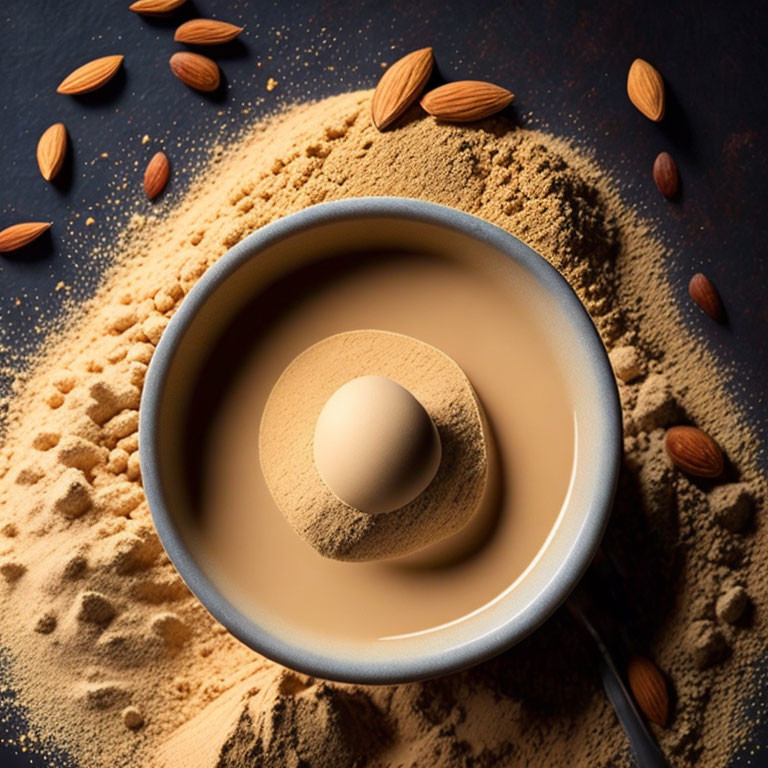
[196,71]
[665,174]
[694,451]
[206,32]
[466,100]
[649,689]
[51,150]
[645,89]
[90,76]
[156,175]
[400,86]
[20,235]
[705,295]
[155,7]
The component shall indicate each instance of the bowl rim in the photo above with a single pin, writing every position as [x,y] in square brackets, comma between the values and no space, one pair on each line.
[397,668]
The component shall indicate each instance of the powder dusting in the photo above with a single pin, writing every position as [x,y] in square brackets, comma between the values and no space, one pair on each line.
[285,446]
[112,655]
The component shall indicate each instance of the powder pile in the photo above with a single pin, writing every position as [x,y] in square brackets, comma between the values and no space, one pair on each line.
[332,527]
[110,652]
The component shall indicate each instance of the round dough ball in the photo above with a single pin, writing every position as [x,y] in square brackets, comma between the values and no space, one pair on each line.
[375,445]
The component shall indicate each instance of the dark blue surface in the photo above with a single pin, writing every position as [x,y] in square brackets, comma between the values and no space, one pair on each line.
[566,62]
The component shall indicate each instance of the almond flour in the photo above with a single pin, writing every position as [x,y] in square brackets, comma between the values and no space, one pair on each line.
[116,661]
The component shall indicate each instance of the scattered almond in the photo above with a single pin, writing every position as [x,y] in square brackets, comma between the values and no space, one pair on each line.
[649,689]
[665,174]
[19,235]
[196,71]
[206,32]
[90,76]
[466,100]
[645,89]
[705,295]
[155,7]
[400,86]
[156,175]
[51,150]
[694,451]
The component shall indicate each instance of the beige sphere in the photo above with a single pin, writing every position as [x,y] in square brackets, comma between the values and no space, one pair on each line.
[375,445]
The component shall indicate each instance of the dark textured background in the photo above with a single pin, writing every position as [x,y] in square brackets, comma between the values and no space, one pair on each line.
[566,61]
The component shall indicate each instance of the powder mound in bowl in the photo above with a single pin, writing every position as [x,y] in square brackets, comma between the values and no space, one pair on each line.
[332,527]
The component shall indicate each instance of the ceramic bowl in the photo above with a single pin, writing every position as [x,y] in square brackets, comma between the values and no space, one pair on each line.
[400,225]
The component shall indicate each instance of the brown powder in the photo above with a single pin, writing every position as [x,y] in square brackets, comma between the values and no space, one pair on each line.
[285,446]
[102,634]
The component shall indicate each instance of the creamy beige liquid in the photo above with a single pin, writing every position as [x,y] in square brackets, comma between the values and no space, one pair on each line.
[258,561]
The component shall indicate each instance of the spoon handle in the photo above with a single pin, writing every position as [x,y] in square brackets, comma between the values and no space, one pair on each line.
[641,742]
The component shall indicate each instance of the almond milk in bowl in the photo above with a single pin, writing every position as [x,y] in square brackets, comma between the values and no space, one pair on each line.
[380,440]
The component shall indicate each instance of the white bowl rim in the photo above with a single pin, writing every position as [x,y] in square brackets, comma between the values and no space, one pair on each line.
[324,663]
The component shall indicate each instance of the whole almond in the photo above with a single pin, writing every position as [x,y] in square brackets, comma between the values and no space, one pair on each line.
[206,32]
[90,76]
[665,174]
[155,7]
[400,86]
[645,89]
[196,71]
[466,100]
[649,689]
[694,451]
[19,235]
[51,150]
[156,175]
[706,296]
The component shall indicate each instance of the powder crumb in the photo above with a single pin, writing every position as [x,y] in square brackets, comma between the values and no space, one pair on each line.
[111,396]
[137,373]
[95,608]
[12,570]
[123,424]
[102,696]
[44,441]
[30,474]
[708,646]
[140,353]
[656,406]
[133,466]
[131,552]
[54,399]
[71,494]
[46,623]
[271,84]
[76,452]
[122,319]
[75,567]
[64,381]
[171,629]
[732,505]
[153,328]
[119,499]
[118,461]
[627,363]
[129,444]
[731,605]
[132,718]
